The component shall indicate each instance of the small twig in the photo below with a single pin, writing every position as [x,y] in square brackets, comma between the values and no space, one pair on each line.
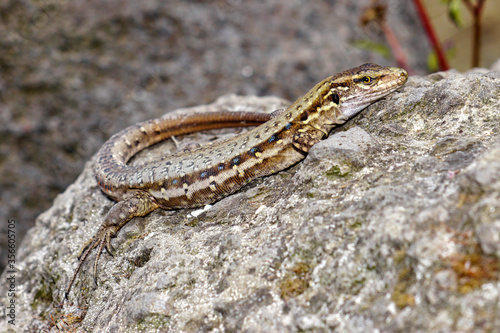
[469,5]
[424,18]
[376,12]
[476,11]
[397,50]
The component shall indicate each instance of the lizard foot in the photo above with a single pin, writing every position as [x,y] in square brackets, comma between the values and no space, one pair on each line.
[101,239]
[139,204]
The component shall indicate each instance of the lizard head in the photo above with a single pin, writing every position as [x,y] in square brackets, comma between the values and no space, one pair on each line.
[354,89]
[339,97]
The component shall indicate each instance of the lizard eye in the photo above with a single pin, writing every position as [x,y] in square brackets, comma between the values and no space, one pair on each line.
[366,79]
[335,98]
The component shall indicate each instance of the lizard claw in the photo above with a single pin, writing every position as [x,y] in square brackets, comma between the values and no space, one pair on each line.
[100,240]
[138,205]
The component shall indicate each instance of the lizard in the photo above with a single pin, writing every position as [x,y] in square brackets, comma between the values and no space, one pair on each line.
[207,174]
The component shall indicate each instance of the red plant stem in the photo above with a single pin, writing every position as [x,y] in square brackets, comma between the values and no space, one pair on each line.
[424,18]
[395,46]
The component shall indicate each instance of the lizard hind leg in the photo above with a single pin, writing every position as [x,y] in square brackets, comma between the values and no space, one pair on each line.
[139,204]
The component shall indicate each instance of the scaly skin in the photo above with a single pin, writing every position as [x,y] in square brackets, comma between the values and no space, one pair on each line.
[207,174]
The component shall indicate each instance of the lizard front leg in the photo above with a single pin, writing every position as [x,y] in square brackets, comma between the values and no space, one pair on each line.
[138,204]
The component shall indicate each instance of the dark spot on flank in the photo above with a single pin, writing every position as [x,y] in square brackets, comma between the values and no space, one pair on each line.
[304,116]
[255,150]
[186,180]
[236,161]
[185,190]
[213,171]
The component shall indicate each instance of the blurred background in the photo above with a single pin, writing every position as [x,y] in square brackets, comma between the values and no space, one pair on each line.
[73,73]
[458,41]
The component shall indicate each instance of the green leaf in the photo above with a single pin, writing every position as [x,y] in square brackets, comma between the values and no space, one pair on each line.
[369,45]
[454,12]
[432,60]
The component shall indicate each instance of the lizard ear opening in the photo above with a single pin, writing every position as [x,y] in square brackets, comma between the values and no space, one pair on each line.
[335,98]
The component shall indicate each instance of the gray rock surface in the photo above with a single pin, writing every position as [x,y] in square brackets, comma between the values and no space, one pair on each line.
[390,225]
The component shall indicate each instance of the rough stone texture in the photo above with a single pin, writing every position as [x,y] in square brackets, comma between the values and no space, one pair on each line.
[390,225]
[72,73]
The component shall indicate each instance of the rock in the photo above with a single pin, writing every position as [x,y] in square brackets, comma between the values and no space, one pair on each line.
[391,224]
[489,237]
